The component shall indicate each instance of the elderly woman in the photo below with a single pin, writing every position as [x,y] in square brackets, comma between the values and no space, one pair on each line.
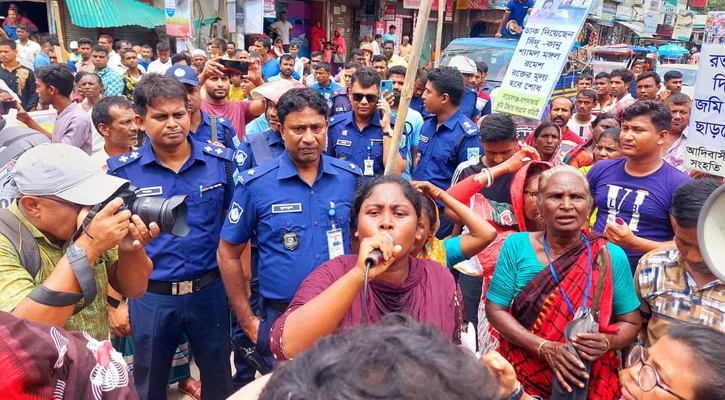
[387,212]
[543,279]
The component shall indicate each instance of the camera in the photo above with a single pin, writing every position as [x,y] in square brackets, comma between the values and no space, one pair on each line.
[169,214]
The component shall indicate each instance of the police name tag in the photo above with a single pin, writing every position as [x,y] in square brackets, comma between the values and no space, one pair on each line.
[424,139]
[286,208]
[368,167]
[335,245]
[342,142]
[150,191]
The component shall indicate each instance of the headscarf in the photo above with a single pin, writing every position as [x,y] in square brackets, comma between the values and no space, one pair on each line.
[434,248]
[339,42]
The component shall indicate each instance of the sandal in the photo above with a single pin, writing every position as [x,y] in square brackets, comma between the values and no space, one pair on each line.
[191,387]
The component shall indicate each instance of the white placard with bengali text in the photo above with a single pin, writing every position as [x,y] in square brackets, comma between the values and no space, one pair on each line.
[540,56]
[705,149]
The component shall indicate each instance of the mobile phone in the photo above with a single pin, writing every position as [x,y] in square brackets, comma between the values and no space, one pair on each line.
[241,66]
[7,105]
[386,84]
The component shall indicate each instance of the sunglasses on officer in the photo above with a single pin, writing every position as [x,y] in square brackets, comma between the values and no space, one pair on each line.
[371,98]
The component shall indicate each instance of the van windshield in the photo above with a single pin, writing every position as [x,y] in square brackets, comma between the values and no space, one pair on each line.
[496,58]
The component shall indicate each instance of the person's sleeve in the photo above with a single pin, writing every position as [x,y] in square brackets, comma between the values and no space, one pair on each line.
[330,150]
[415,134]
[510,5]
[241,219]
[463,190]
[116,88]
[625,298]
[454,254]
[592,176]
[245,108]
[470,148]
[110,257]
[78,132]
[502,288]
[16,282]
[487,108]
[244,152]
[31,87]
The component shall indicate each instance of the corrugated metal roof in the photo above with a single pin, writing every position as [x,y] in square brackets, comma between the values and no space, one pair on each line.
[114,13]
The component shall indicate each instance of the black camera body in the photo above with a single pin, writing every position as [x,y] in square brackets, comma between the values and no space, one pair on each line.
[169,214]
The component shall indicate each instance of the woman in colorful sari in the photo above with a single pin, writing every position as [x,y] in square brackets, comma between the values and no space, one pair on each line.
[543,279]
[386,215]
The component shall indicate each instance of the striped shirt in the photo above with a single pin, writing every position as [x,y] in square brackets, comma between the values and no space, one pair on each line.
[669,294]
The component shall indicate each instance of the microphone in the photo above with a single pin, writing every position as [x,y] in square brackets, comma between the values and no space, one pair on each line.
[374,258]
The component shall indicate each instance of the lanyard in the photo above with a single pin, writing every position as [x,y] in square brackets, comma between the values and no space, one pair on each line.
[331,213]
[558,283]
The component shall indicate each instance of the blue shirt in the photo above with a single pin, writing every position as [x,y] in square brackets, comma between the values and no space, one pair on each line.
[175,258]
[390,36]
[41,60]
[347,142]
[468,103]
[416,103]
[225,131]
[144,63]
[340,102]
[289,219]
[294,76]
[245,156]
[413,124]
[442,149]
[258,125]
[519,10]
[270,68]
[327,90]
[11,31]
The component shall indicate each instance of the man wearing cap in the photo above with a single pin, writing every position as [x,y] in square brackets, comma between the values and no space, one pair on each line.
[185,293]
[75,55]
[198,59]
[58,183]
[468,69]
[201,128]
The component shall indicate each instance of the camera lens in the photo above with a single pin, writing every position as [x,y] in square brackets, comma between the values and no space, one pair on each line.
[169,214]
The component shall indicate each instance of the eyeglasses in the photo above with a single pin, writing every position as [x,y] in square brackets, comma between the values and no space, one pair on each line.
[531,193]
[647,378]
[371,98]
[78,207]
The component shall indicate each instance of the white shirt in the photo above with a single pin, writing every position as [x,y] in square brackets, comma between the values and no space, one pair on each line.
[282,28]
[27,53]
[157,67]
[114,62]
[299,68]
[584,130]
[376,48]
[97,141]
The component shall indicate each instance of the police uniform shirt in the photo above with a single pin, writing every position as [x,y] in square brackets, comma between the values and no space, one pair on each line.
[340,102]
[417,104]
[468,103]
[289,219]
[244,155]
[347,142]
[441,149]
[205,179]
[225,131]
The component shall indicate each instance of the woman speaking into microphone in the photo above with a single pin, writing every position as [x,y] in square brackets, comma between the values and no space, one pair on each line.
[386,214]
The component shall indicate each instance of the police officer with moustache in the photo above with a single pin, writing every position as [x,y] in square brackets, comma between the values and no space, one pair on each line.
[447,137]
[296,206]
[362,136]
[185,292]
[201,128]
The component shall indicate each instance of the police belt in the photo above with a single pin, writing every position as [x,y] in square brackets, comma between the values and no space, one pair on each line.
[183,287]
[277,305]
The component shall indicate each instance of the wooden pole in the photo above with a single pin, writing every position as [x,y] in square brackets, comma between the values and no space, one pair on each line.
[59,50]
[439,33]
[407,92]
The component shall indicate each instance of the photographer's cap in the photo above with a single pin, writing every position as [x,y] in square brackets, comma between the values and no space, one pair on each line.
[58,169]
[184,73]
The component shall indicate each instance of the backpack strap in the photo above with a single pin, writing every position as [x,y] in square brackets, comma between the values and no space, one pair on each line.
[22,240]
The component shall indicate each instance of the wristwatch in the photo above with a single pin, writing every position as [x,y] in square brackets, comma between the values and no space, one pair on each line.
[517,394]
[388,134]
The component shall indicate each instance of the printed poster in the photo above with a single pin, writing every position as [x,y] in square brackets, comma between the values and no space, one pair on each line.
[683,26]
[540,56]
[705,149]
[178,18]
[609,10]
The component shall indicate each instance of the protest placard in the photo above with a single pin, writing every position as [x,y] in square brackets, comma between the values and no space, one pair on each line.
[540,56]
[705,149]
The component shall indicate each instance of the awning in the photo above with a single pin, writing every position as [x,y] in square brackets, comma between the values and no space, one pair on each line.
[114,13]
[636,27]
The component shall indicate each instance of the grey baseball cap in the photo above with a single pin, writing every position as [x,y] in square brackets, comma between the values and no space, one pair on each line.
[57,169]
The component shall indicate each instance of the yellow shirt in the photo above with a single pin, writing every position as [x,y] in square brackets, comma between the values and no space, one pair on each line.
[16,283]
[235,94]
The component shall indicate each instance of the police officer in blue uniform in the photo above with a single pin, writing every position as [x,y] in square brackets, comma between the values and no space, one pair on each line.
[201,126]
[467,68]
[366,147]
[297,207]
[340,98]
[185,293]
[447,137]
[258,148]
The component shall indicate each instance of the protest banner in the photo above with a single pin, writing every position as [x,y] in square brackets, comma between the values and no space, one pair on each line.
[705,150]
[540,57]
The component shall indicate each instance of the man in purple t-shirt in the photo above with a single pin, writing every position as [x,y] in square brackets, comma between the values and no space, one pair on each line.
[634,193]
[73,125]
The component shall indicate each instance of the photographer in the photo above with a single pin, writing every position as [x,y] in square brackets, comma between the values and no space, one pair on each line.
[57,185]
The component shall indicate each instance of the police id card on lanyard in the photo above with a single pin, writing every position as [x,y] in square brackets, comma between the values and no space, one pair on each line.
[368,170]
[335,244]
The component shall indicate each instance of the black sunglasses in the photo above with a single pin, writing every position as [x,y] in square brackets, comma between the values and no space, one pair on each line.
[371,98]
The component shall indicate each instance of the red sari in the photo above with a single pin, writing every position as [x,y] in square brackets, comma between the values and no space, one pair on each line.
[541,308]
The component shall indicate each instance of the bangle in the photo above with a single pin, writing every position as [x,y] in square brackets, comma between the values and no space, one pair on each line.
[541,345]
[489,177]
[609,345]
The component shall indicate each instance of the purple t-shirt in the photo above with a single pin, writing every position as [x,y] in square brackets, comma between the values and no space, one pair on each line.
[73,127]
[643,202]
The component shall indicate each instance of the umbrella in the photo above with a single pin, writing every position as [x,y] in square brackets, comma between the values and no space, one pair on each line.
[584,322]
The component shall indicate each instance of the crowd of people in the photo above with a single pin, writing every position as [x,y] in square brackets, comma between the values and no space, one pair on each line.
[294,238]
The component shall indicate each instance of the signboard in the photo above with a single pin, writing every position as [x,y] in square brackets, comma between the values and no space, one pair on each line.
[178,18]
[669,7]
[540,57]
[705,149]
[609,10]
[389,14]
[683,26]
[268,9]
[650,22]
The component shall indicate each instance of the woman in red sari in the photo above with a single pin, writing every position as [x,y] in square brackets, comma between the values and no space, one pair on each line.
[330,299]
[543,279]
